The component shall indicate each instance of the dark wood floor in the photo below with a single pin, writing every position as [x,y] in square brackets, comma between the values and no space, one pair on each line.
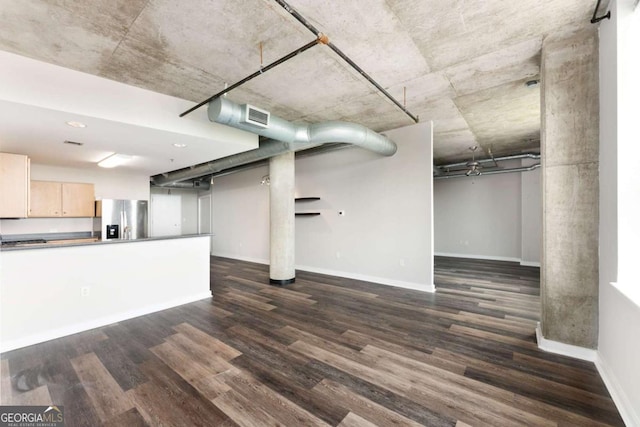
[323,351]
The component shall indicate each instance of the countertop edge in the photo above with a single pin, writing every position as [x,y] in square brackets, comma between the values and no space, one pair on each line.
[99,242]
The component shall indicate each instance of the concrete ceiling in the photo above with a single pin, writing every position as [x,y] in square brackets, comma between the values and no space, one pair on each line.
[463,63]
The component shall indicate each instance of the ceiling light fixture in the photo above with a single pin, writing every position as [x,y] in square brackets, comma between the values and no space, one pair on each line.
[474,166]
[114,160]
[178,145]
[75,124]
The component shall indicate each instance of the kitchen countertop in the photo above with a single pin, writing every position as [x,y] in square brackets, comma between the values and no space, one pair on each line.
[90,241]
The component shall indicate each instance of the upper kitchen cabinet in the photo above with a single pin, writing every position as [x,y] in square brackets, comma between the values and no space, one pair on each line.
[61,199]
[14,185]
[78,199]
[46,199]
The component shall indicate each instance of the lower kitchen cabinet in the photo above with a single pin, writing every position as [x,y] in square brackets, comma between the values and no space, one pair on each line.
[61,199]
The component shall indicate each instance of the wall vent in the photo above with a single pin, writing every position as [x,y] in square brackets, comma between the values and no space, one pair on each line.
[256,116]
[74,143]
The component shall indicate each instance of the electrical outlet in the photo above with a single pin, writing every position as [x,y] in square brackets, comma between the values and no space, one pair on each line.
[338,254]
[85,291]
[401,262]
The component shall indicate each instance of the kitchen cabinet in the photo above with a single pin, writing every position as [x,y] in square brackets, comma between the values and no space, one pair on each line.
[61,199]
[14,185]
[78,199]
[46,199]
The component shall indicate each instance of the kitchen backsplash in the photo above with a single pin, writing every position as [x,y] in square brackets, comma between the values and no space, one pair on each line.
[45,225]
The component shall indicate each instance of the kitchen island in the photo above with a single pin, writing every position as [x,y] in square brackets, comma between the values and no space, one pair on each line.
[48,291]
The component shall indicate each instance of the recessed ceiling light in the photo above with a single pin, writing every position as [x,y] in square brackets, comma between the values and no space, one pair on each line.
[75,124]
[179,145]
[114,160]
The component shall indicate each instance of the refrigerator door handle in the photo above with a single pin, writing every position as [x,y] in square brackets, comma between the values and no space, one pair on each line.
[123,221]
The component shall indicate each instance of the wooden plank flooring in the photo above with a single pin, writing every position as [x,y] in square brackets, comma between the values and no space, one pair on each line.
[325,351]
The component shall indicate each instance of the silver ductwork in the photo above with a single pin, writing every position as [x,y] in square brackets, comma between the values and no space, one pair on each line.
[283,136]
[228,113]
[199,185]
[267,148]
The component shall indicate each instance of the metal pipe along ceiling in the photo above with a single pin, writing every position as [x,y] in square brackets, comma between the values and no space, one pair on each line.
[266,149]
[203,185]
[495,172]
[491,160]
[283,136]
[301,19]
[321,39]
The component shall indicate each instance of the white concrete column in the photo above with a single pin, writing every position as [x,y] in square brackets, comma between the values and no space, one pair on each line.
[282,269]
[569,143]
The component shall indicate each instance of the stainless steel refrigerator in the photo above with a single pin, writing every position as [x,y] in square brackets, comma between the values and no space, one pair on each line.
[121,219]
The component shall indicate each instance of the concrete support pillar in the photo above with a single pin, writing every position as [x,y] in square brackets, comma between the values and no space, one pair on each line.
[569,143]
[282,219]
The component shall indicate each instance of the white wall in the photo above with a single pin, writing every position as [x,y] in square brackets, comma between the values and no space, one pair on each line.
[490,216]
[386,234]
[109,184]
[241,216]
[619,313]
[531,211]
[628,147]
[46,302]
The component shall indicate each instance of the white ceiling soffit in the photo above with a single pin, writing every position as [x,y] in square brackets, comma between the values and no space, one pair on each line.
[37,99]
[449,55]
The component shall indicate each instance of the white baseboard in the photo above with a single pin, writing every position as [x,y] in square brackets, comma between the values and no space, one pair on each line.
[373,279]
[242,258]
[97,323]
[530,264]
[471,256]
[629,412]
[563,349]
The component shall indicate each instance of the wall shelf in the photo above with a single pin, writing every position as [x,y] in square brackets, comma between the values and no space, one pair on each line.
[307,199]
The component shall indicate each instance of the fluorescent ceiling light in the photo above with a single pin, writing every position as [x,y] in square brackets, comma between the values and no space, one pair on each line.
[115,160]
[75,124]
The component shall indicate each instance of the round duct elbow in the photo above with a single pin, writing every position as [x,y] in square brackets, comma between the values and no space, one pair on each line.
[351,133]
